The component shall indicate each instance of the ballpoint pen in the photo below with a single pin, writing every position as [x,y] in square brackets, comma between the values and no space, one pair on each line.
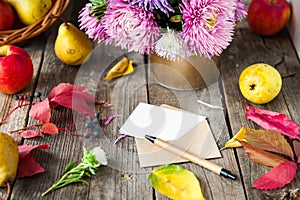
[191,157]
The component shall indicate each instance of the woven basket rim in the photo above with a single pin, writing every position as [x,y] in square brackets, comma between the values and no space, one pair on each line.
[18,35]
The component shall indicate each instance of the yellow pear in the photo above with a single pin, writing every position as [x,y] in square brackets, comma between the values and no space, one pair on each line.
[260,83]
[31,11]
[72,46]
[9,159]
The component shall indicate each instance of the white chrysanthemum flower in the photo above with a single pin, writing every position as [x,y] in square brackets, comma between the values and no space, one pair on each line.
[100,155]
[171,46]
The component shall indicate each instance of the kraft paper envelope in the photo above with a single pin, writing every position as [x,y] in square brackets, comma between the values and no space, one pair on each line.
[197,139]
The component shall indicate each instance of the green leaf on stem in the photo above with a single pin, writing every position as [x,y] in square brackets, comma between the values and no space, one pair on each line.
[86,168]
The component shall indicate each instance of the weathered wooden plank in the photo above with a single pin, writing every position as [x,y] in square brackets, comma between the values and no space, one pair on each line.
[213,186]
[19,118]
[248,48]
[64,147]
[123,178]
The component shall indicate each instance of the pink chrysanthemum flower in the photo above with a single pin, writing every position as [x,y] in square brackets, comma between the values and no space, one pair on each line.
[240,11]
[208,25]
[92,26]
[130,27]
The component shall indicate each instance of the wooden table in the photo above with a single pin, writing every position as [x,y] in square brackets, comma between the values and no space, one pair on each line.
[123,178]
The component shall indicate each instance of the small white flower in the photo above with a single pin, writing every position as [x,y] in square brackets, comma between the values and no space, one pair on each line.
[171,46]
[100,155]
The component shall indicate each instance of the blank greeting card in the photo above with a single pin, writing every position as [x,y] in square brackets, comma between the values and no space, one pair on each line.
[186,130]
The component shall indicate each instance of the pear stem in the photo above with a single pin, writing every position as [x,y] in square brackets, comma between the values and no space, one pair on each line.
[288,75]
[60,18]
[8,190]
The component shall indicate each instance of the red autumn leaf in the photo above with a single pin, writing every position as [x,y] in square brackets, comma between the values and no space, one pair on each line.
[277,177]
[25,149]
[71,96]
[273,121]
[41,111]
[74,101]
[269,140]
[63,88]
[262,157]
[49,128]
[28,167]
[296,145]
[30,134]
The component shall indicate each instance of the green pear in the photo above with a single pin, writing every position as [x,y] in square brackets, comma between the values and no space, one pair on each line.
[72,46]
[31,11]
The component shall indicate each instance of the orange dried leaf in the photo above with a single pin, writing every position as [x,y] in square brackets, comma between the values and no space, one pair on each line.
[262,157]
[269,140]
[49,128]
[296,145]
[122,68]
[240,136]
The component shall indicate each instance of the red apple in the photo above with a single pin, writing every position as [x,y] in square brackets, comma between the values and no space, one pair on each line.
[268,17]
[16,69]
[7,16]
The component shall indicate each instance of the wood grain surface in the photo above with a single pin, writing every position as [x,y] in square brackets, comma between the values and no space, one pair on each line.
[123,178]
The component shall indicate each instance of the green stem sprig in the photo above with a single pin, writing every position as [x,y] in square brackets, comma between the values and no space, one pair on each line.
[86,168]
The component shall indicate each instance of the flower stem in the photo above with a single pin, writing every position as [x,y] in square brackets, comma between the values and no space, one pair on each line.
[27,127]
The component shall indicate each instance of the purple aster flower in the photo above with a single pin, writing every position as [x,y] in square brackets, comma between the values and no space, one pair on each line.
[150,5]
[240,11]
[92,26]
[130,27]
[208,25]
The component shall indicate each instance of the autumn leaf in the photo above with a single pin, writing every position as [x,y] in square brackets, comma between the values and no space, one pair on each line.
[262,157]
[27,165]
[277,177]
[25,149]
[30,134]
[270,120]
[269,140]
[66,95]
[49,128]
[240,136]
[296,145]
[122,68]
[71,96]
[41,111]
[176,183]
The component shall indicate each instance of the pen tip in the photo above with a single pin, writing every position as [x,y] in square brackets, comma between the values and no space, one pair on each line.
[150,138]
[226,173]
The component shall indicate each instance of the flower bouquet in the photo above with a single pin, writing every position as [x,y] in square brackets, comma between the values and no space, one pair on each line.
[170,28]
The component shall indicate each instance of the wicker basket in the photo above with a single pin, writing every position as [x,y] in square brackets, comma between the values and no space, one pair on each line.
[27,32]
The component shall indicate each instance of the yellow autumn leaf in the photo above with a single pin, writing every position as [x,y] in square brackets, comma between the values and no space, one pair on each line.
[240,136]
[176,183]
[123,67]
